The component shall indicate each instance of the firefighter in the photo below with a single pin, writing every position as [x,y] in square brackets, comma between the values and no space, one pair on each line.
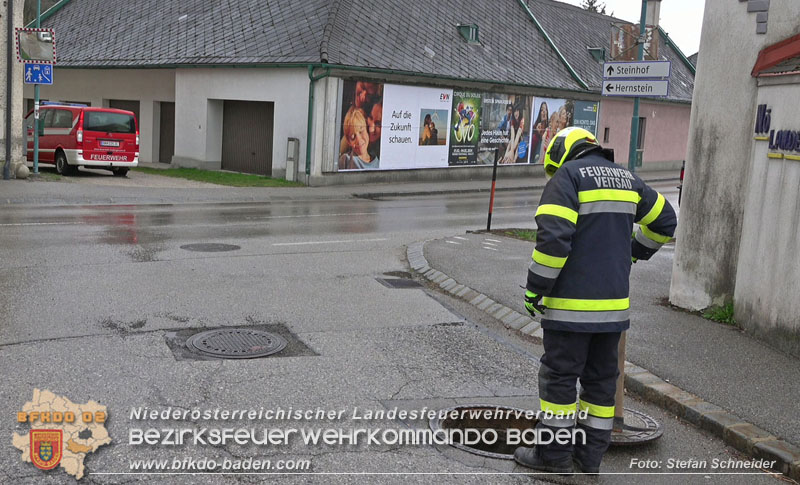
[578,282]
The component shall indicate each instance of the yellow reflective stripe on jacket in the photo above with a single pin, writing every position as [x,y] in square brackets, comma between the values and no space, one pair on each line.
[596,410]
[609,194]
[586,305]
[655,211]
[558,211]
[654,236]
[558,408]
[547,260]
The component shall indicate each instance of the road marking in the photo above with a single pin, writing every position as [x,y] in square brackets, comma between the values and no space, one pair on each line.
[453,242]
[41,224]
[459,237]
[490,249]
[312,215]
[490,243]
[329,242]
[493,240]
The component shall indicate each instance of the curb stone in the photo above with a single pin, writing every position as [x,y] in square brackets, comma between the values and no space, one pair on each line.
[733,430]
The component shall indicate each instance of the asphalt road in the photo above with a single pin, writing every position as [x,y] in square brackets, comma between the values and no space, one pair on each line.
[91,296]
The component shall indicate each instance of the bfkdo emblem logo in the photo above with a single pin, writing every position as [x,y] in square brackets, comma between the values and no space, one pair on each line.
[46,448]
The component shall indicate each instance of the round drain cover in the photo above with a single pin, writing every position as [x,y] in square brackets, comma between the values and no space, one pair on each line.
[236,343]
[210,247]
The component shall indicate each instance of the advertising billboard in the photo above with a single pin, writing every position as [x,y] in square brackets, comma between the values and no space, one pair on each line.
[396,127]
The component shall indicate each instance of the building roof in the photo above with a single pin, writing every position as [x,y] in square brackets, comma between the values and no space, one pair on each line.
[395,35]
[693,59]
[779,59]
[124,33]
[574,30]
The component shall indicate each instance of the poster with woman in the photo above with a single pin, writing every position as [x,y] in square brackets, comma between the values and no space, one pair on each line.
[552,115]
[415,127]
[505,126]
[362,113]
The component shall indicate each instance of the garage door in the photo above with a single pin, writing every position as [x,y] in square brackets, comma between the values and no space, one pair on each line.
[166,145]
[126,105]
[247,136]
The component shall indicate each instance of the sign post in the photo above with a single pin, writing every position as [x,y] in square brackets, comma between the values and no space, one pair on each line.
[9,86]
[635,118]
[636,87]
[37,49]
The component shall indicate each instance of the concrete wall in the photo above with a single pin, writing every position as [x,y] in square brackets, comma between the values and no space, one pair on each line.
[17,149]
[720,143]
[666,131]
[199,94]
[766,299]
[98,86]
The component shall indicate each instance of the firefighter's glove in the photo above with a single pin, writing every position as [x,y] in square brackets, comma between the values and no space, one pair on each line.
[533,303]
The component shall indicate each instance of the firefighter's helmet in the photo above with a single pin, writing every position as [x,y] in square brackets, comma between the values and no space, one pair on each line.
[568,144]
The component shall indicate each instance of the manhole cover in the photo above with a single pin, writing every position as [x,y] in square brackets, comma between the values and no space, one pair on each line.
[210,247]
[488,418]
[638,429]
[236,343]
[398,283]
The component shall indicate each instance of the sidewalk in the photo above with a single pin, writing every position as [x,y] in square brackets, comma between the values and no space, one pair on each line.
[31,192]
[749,381]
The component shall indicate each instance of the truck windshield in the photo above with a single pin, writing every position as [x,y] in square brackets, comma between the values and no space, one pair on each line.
[109,122]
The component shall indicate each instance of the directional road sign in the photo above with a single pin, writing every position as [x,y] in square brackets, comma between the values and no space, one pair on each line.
[38,73]
[636,70]
[634,87]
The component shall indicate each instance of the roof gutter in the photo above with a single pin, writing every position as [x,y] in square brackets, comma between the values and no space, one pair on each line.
[49,13]
[572,72]
[677,49]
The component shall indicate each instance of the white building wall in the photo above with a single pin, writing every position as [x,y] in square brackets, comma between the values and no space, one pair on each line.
[199,96]
[98,86]
[768,273]
[718,154]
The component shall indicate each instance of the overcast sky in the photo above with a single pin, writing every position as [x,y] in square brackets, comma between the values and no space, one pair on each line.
[681,19]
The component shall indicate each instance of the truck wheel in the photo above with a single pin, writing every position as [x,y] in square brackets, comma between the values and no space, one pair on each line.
[120,172]
[62,166]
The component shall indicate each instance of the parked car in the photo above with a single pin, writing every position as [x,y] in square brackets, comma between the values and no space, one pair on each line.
[74,135]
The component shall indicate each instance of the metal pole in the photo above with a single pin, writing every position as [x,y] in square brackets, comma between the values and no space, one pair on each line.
[635,118]
[491,197]
[9,85]
[36,102]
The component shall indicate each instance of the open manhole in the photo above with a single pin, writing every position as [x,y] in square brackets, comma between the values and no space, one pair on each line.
[210,247]
[399,283]
[490,421]
[236,343]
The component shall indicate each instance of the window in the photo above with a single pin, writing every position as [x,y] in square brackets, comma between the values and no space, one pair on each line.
[46,117]
[640,139]
[109,122]
[606,134]
[62,118]
[469,32]
[598,53]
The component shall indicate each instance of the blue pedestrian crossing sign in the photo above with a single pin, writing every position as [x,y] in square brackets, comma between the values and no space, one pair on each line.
[38,73]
